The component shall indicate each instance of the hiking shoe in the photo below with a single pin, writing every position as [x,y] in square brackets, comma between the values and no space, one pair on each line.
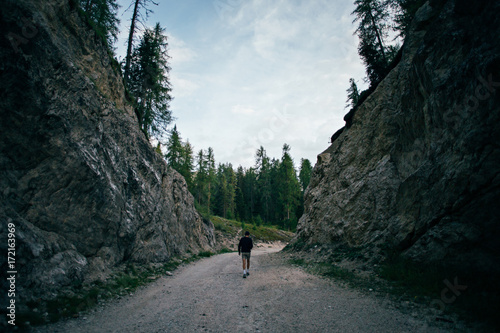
[244,276]
[248,273]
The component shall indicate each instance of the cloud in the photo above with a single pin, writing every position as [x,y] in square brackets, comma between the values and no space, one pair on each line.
[183,87]
[261,72]
[240,109]
[179,51]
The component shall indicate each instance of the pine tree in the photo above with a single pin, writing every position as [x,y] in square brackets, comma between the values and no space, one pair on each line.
[149,83]
[372,16]
[305,173]
[262,166]
[201,177]
[352,94]
[220,189]
[187,164]
[226,190]
[275,207]
[231,190]
[250,193]
[211,173]
[174,150]
[260,158]
[241,207]
[137,17]
[102,14]
[289,189]
[405,11]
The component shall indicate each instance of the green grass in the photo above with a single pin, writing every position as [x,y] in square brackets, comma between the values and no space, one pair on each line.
[297,262]
[232,228]
[226,226]
[225,250]
[334,271]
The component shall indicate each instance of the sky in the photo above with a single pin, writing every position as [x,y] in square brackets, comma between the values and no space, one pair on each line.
[251,73]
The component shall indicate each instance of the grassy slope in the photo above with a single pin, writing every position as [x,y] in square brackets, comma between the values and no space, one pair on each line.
[228,233]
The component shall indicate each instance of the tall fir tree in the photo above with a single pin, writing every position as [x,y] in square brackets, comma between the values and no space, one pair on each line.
[174,150]
[211,174]
[289,189]
[264,184]
[226,190]
[305,173]
[140,14]
[150,83]
[241,206]
[201,177]
[250,193]
[275,207]
[372,16]
[187,164]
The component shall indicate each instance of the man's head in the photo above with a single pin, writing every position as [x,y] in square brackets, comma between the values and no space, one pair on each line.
[247,233]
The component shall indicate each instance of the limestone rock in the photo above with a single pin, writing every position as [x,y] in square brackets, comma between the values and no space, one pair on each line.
[418,169]
[82,185]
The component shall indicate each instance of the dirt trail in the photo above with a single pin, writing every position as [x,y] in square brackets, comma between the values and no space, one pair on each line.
[211,296]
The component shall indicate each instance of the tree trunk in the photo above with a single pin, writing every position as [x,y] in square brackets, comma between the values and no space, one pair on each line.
[379,38]
[130,40]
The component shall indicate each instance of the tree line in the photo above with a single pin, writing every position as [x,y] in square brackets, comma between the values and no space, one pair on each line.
[271,192]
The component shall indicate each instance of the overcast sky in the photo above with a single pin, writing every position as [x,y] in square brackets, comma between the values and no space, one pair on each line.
[247,73]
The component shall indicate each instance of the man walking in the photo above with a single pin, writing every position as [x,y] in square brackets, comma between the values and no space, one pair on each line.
[244,248]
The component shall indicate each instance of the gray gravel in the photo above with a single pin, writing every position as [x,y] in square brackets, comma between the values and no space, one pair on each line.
[211,296]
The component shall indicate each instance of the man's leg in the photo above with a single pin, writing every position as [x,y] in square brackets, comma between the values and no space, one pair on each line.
[244,264]
[248,263]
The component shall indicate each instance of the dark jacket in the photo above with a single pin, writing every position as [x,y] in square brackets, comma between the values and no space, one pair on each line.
[245,245]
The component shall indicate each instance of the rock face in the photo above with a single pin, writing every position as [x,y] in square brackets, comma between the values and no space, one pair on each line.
[418,170]
[82,185]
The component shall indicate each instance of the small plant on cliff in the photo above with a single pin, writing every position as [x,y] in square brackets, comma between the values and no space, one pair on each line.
[102,16]
[352,94]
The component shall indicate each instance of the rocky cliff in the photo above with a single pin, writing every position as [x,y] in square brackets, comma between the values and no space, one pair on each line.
[416,169]
[79,182]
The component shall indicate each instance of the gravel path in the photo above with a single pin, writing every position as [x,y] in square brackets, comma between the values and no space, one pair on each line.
[211,296]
